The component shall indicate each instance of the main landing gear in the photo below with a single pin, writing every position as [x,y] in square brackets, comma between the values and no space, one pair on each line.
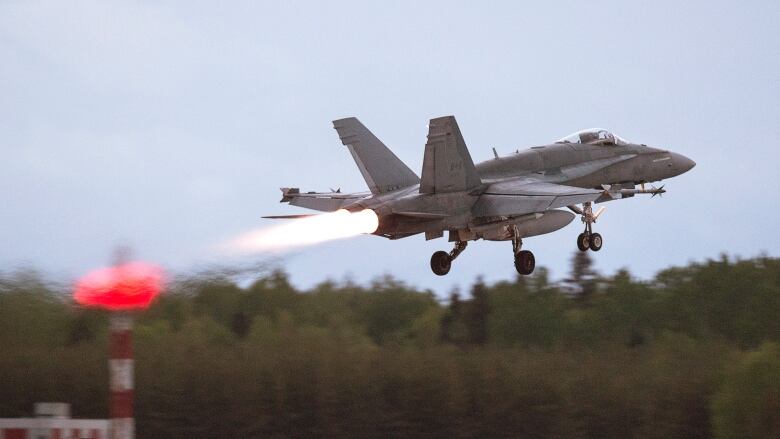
[587,239]
[525,262]
[441,261]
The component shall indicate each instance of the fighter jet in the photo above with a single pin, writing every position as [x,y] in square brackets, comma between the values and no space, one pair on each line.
[502,199]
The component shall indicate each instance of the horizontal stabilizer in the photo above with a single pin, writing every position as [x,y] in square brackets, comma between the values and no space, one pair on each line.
[447,165]
[322,201]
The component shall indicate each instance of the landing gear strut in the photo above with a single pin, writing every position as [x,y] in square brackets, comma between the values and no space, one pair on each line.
[525,262]
[587,239]
[441,261]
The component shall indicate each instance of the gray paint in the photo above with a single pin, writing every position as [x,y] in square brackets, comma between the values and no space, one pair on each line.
[505,198]
[447,164]
[381,169]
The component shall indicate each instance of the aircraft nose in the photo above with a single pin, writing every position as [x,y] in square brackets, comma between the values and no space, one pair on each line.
[682,163]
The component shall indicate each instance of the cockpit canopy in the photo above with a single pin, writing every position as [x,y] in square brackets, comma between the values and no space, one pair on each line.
[594,136]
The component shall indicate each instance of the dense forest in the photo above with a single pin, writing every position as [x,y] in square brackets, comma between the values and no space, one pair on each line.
[692,353]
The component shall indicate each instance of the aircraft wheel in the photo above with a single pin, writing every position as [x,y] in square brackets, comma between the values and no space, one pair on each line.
[595,242]
[525,262]
[583,242]
[441,263]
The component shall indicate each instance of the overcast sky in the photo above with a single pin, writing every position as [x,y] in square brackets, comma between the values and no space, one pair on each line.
[170,127]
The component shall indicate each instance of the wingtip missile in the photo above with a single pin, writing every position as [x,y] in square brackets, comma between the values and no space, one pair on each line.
[653,191]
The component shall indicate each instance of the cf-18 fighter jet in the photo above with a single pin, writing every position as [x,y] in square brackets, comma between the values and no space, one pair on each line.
[502,199]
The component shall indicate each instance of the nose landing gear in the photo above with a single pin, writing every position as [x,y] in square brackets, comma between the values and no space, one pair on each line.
[587,239]
[441,261]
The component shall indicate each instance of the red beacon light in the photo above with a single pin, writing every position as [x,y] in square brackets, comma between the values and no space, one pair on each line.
[124,287]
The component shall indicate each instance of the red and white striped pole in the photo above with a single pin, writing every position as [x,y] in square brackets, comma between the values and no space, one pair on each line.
[120,365]
[120,289]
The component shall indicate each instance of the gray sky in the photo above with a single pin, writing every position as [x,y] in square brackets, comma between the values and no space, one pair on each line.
[170,127]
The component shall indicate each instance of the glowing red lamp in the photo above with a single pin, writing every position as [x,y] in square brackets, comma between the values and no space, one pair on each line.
[128,286]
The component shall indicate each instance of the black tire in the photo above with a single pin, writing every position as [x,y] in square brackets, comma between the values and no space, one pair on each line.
[583,242]
[525,262]
[441,263]
[595,241]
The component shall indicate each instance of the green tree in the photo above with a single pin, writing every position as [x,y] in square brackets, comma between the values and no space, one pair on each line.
[747,405]
[476,314]
[583,279]
[453,329]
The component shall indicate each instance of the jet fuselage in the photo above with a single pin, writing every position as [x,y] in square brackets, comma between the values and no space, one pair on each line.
[588,166]
[585,166]
[505,198]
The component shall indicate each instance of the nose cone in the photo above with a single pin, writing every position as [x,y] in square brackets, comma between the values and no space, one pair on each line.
[682,164]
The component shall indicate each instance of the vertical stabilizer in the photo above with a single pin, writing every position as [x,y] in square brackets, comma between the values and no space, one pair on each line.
[447,166]
[382,170]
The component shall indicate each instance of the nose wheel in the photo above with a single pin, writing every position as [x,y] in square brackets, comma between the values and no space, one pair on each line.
[588,240]
[441,261]
[595,241]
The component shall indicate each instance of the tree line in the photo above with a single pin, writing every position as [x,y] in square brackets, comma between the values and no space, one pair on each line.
[693,352]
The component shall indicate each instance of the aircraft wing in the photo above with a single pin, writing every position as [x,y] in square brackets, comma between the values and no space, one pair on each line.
[529,195]
[322,201]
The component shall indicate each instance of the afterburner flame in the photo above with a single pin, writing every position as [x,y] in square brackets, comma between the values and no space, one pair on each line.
[305,231]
